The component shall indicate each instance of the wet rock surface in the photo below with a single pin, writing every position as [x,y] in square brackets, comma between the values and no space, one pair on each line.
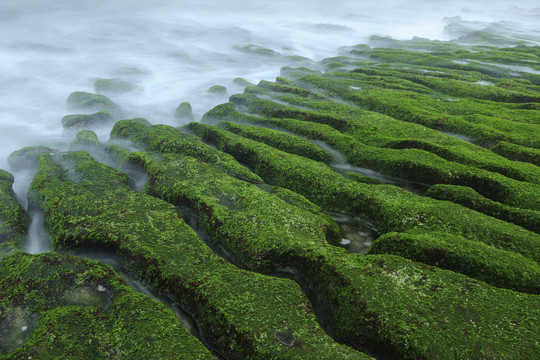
[300,176]
[53,305]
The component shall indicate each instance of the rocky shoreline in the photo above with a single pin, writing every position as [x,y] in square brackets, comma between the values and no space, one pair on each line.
[453,273]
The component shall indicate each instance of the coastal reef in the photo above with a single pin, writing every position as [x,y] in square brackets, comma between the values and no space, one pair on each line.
[381,204]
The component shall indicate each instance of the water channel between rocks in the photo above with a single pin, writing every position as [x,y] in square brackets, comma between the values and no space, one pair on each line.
[39,241]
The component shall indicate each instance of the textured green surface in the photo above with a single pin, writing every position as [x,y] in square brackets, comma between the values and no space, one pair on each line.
[387,207]
[87,121]
[86,203]
[528,219]
[89,101]
[57,306]
[263,233]
[14,220]
[166,139]
[452,275]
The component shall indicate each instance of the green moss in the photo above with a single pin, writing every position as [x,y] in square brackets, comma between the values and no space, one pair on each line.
[387,207]
[280,140]
[415,311]
[528,219]
[241,82]
[86,203]
[87,121]
[86,138]
[376,130]
[184,112]
[429,111]
[288,71]
[167,139]
[55,305]
[14,220]
[283,85]
[260,232]
[89,101]
[256,227]
[416,165]
[517,152]
[28,157]
[483,262]
[113,85]
[218,90]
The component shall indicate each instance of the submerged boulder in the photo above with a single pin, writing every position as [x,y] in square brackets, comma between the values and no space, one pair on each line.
[27,157]
[85,138]
[113,85]
[82,121]
[87,101]
[184,112]
[218,90]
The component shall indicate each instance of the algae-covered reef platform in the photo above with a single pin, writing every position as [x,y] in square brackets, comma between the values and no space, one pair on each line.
[383,204]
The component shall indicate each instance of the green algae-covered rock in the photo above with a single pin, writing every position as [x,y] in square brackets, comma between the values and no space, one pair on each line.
[375,129]
[280,140]
[86,203]
[14,220]
[166,139]
[529,219]
[241,82]
[260,232]
[88,101]
[517,152]
[218,90]
[113,85]
[494,266]
[425,162]
[246,220]
[184,112]
[436,161]
[254,237]
[429,110]
[55,306]
[412,311]
[87,121]
[85,138]
[387,207]
[28,157]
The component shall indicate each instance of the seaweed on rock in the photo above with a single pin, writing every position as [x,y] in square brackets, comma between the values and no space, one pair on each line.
[55,305]
[86,203]
[14,220]
[263,233]
[387,207]
[166,139]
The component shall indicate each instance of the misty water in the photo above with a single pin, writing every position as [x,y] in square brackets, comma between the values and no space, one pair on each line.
[174,51]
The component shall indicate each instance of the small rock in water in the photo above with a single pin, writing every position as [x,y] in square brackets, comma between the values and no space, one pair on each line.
[24,328]
[287,338]
[101,288]
[483,82]
[355,237]
[345,242]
